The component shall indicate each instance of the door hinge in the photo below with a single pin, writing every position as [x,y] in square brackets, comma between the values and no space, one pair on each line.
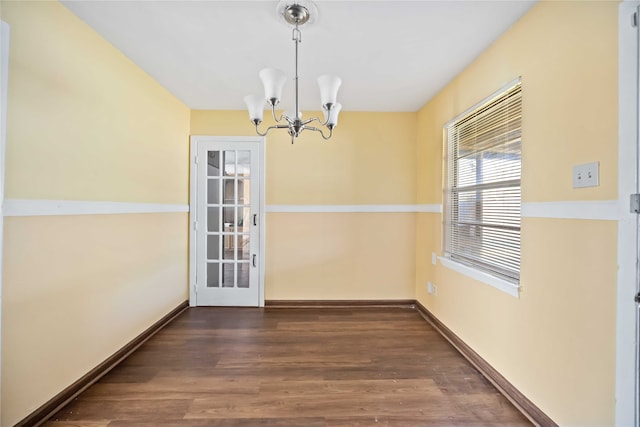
[195,225]
[634,203]
[637,298]
[634,19]
[195,160]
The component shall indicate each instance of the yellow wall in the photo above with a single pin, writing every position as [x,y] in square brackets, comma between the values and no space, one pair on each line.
[556,343]
[369,161]
[84,124]
[343,256]
[77,289]
[99,128]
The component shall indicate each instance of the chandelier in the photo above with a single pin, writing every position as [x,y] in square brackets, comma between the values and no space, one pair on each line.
[296,13]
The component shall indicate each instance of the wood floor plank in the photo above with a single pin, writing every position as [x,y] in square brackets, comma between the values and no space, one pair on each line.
[415,404]
[176,387]
[106,410]
[228,422]
[291,360]
[293,367]
[79,424]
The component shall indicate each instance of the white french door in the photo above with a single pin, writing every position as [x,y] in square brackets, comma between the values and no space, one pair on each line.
[226,221]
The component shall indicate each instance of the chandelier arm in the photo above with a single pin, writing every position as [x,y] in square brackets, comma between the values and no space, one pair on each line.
[325,137]
[273,111]
[315,119]
[277,127]
[269,128]
[260,133]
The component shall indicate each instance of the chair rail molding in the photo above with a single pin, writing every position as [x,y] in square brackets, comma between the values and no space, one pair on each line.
[25,207]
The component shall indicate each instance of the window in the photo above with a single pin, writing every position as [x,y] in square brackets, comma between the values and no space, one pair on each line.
[482,194]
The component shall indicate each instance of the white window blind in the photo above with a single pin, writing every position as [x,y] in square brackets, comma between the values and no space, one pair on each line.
[482,196]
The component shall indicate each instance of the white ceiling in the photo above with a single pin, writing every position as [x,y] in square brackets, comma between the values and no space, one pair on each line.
[392,55]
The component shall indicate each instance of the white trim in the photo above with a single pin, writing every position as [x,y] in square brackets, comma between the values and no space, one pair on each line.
[20,207]
[626,394]
[608,210]
[193,219]
[4,86]
[263,220]
[434,208]
[507,287]
[594,210]
[590,210]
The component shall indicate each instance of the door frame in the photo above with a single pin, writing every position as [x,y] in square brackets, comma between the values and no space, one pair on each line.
[4,86]
[626,388]
[195,140]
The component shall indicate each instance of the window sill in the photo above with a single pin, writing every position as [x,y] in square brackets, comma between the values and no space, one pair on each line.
[502,285]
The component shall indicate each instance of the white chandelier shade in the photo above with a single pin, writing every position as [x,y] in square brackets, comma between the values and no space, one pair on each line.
[329,86]
[255,105]
[273,80]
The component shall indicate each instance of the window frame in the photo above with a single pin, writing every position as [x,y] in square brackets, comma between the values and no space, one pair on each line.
[463,265]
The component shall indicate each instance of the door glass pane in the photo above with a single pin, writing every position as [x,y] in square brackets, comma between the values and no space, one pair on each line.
[243,246]
[229,163]
[229,247]
[243,275]
[244,220]
[244,192]
[213,191]
[229,192]
[213,247]
[244,163]
[213,278]
[213,163]
[229,219]
[228,275]
[213,219]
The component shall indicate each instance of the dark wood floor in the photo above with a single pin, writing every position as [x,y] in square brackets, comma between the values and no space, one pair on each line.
[293,367]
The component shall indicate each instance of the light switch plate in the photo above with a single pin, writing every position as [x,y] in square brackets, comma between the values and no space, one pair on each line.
[586,175]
